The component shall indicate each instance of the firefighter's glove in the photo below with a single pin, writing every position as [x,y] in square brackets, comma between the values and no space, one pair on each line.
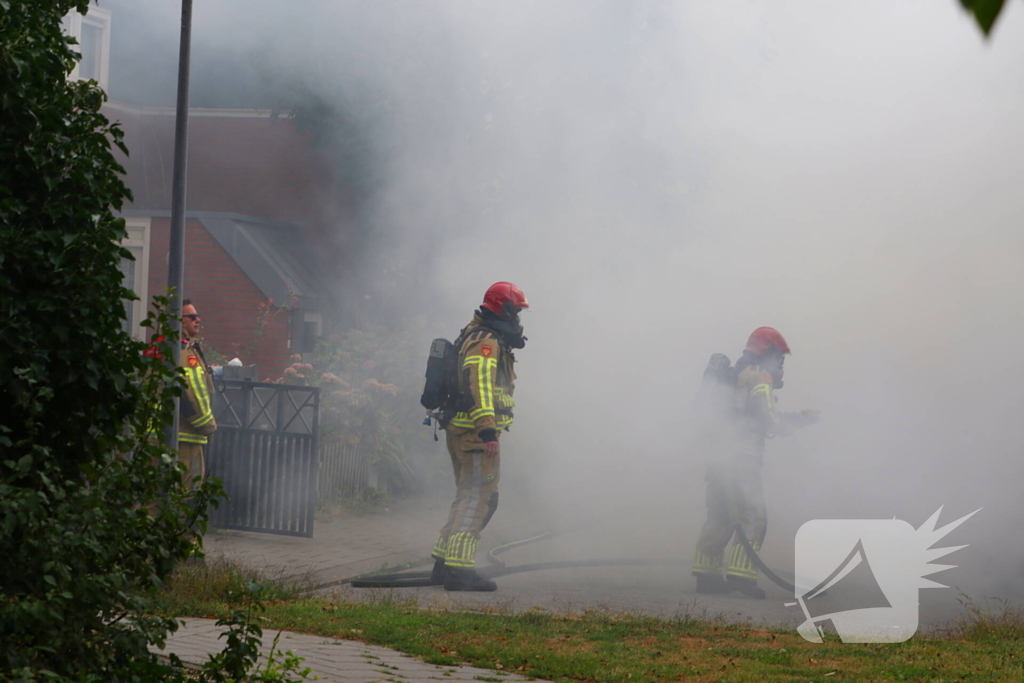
[490,439]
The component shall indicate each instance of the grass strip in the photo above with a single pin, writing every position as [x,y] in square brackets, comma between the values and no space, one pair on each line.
[602,646]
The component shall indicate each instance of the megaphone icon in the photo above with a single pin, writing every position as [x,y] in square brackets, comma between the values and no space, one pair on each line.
[851,586]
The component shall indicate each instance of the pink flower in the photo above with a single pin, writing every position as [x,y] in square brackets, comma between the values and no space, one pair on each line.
[369,365]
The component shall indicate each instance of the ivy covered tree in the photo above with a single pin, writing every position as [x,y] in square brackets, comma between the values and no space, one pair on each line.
[93,513]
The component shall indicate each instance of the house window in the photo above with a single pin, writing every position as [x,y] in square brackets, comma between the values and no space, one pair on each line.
[93,34]
[136,274]
[312,328]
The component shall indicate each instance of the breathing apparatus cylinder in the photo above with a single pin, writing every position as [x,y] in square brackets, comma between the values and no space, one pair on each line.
[437,386]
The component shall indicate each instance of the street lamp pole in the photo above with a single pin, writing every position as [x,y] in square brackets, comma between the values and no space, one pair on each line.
[176,257]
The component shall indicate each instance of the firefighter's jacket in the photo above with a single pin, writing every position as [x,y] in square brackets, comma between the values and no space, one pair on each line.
[758,416]
[486,380]
[196,423]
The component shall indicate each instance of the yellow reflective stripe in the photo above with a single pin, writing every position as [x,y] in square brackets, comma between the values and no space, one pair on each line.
[203,420]
[483,380]
[440,548]
[191,438]
[484,385]
[766,391]
[705,564]
[461,550]
[199,389]
[740,563]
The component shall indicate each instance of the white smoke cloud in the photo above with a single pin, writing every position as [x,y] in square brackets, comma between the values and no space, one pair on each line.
[661,178]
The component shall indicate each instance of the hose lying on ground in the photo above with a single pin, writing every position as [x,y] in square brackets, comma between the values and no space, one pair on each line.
[420,579]
[499,568]
[759,563]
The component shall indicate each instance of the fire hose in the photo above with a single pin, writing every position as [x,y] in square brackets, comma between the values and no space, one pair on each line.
[497,567]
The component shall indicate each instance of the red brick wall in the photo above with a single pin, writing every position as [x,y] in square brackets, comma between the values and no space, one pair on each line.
[258,167]
[227,300]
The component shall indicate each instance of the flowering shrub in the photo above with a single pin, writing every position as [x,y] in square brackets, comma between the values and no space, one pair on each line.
[371,380]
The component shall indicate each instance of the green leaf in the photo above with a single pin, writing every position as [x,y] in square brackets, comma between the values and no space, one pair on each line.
[985,12]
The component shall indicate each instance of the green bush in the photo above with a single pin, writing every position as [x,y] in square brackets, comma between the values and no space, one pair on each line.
[93,514]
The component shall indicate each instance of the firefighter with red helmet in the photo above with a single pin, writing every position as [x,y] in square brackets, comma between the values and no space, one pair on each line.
[734,494]
[486,383]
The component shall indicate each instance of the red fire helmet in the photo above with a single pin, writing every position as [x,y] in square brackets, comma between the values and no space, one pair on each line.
[765,338]
[500,293]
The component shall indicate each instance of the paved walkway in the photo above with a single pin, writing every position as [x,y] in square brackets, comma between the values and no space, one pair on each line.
[341,548]
[331,661]
[349,545]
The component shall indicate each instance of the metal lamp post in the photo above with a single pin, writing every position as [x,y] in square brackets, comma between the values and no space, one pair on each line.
[176,258]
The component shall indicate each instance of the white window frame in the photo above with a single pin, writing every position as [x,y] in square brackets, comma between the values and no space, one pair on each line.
[99,18]
[137,242]
[314,317]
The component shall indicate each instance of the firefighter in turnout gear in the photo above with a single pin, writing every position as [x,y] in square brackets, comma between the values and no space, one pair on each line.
[734,494]
[485,384]
[195,421]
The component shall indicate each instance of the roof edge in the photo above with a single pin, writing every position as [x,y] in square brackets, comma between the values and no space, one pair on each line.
[200,215]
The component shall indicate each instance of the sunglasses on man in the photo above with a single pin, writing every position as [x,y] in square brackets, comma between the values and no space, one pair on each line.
[191,316]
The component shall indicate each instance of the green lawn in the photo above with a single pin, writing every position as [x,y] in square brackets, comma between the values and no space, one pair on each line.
[601,646]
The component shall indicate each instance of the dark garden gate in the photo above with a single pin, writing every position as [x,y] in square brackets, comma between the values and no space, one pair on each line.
[265,453]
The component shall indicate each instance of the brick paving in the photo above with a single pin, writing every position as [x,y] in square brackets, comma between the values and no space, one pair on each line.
[331,660]
[349,545]
[344,546]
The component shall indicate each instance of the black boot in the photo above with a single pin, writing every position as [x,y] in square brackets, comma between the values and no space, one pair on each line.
[746,586]
[467,580]
[438,573]
[711,583]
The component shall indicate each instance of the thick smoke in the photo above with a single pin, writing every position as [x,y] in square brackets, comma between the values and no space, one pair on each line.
[661,178]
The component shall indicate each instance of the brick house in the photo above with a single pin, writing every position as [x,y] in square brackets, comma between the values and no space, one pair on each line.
[258,209]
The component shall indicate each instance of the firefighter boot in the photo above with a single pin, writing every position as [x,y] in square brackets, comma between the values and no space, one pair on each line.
[466,580]
[437,574]
[711,583]
[746,586]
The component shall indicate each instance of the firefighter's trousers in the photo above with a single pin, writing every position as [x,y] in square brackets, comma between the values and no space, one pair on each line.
[476,498]
[191,454]
[734,495]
